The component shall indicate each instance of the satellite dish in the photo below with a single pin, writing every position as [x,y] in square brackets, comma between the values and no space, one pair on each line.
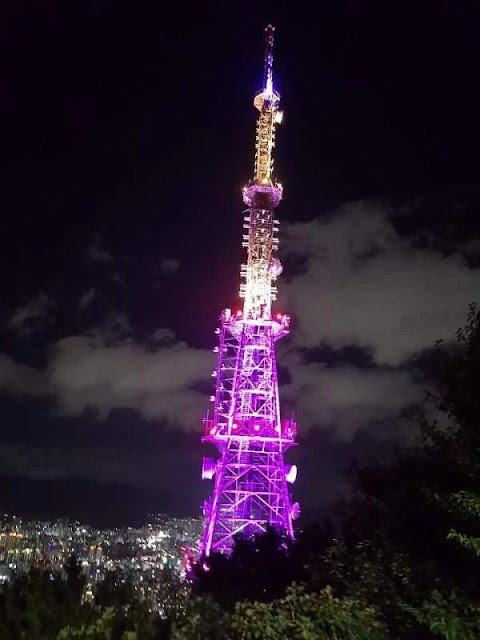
[275,268]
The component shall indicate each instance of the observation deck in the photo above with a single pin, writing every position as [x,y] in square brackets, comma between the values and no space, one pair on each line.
[266,195]
[217,432]
[279,325]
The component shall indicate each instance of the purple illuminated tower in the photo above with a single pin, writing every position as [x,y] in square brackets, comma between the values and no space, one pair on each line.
[250,476]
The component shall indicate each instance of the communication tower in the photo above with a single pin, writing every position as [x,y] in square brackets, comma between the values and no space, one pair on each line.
[250,476]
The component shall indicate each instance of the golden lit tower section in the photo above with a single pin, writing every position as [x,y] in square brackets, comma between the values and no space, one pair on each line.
[262,195]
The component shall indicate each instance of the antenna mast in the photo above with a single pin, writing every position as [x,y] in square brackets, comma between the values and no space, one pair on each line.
[251,478]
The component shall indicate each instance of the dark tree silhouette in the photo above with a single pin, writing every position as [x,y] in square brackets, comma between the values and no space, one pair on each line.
[38,604]
[401,545]
[259,568]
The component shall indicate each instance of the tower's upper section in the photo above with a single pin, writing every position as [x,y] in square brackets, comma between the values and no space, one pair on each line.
[267,101]
[262,195]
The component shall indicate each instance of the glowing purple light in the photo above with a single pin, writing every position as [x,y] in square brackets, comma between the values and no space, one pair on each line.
[250,490]
[208,468]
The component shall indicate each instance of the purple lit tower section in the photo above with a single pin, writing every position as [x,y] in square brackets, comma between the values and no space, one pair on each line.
[251,479]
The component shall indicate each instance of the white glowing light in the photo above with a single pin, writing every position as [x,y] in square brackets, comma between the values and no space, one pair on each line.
[291,474]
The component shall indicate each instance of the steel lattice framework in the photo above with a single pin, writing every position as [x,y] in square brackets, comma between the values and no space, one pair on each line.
[251,490]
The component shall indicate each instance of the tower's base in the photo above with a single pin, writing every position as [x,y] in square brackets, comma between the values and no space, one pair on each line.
[250,494]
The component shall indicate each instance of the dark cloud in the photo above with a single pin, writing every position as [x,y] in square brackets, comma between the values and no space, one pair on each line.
[365,303]
[36,314]
[87,297]
[168,266]
[20,379]
[368,286]
[85,372]
[113,328]
[348,399]
[162,336]
[105,363]
[96,252]
[144,463]
[161,383]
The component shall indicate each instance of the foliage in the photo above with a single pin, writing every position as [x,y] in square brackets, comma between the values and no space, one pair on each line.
[204,618]
[410,538]
[102,628]
[259,568]
[298,615]
[307,616]
[37,605]
[129,611]
[42,605]
[467,503]
[448,617]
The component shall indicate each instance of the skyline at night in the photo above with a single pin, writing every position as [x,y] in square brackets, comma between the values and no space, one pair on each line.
[128,134]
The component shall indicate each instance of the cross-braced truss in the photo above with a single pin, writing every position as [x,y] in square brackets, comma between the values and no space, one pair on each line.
[250,476]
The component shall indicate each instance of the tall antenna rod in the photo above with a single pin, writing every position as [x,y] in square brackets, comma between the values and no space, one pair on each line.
[268,79]
[267,101]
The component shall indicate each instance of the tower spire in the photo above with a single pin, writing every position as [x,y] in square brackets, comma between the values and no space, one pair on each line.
[268,73]
[267,101]
[262,194]
[251,478]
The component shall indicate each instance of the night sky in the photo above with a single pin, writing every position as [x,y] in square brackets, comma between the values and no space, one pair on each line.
[127,131]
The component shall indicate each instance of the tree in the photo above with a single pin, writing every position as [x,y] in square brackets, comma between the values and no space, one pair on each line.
[410,536]
[41,605]
[203,619]
[259,568]
[36,605]
[131,611]
[102,628]
[300,615]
